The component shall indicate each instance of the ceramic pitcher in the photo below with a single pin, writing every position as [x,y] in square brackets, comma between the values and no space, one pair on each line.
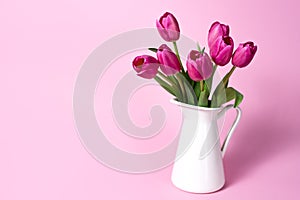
[198,167]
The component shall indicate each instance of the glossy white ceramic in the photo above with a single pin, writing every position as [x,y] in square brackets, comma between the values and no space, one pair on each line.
[200,168]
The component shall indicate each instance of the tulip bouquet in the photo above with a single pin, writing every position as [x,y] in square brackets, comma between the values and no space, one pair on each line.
[193,84]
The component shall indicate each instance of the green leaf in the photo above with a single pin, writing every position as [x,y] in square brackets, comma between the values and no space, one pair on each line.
[203,98]
[153,49]
[227,95]
[198,47]
[231,94]
[238,99]
[189,95]
[177,87]
[218,97]
[203,50]
[165,85]
[189,79]
[197,89]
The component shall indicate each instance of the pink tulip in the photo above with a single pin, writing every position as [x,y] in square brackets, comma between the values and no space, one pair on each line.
[217,29]
[244,54]
[145,66]
[169,62]
[168,27]
[221,50]
[199,66]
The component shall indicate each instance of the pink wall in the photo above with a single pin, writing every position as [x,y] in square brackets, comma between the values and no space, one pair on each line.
[42,46]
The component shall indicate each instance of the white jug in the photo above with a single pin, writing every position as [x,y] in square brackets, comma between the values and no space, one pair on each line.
[199,169]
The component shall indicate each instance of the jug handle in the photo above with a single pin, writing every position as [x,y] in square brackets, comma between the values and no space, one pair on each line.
[233,127]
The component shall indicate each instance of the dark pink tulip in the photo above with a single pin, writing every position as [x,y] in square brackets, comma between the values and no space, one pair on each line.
[168,27]
[244,54]
[145,66]
[221,50]
[217,29]
[169,62]
[199,66]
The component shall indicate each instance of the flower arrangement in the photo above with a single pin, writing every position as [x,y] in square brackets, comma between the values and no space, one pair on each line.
[193,84]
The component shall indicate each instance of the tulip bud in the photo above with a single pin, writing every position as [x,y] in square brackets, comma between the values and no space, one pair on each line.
[199,66]
[169,62]
[244,54]
[145,66]
[168,27]
[221,50]
[217,29]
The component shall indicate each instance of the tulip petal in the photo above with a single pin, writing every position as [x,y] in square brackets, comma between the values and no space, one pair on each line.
[145,66]
[207,67]
[168,27]
[221,50]
[148,74]
[214,50]
[164,46]
[162,32]
[224,56]
[168,60]
[194,73]
[199,66]
[216,30]
[244,54]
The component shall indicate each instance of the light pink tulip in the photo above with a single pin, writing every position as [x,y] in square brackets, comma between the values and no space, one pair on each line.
[199,66]
[168,27]
[145,66]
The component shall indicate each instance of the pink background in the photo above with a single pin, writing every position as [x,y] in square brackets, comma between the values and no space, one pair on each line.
[42,47]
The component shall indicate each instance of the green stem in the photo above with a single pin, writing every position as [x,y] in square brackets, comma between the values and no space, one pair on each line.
[182,69]
[230,73]
[177,54]
[201,86]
